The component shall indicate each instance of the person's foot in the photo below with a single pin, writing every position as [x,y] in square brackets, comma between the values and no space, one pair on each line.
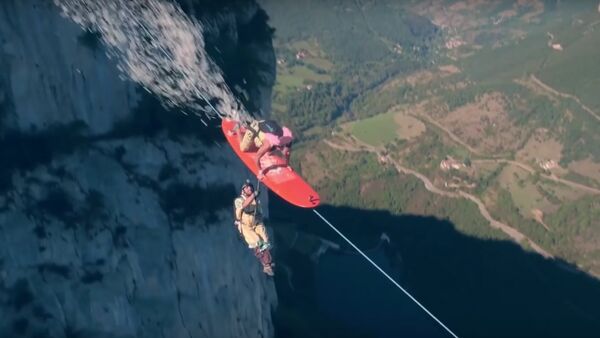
[268,270]
[264,246]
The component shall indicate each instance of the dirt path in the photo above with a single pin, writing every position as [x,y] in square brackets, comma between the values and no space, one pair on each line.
[555,92]
[519,164]
[529,169]
[345,146]
[515,234]
[448,132]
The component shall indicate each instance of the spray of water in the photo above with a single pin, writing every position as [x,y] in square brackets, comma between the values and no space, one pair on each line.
[158,46]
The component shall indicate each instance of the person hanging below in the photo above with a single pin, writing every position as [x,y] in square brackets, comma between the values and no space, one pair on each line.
[267,137]
[248,220]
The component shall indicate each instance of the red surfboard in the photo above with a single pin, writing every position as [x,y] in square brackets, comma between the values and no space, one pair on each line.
[282,180]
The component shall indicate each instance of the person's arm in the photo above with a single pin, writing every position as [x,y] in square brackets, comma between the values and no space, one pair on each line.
[249,199]
[239,206]
[286,153]
[266,146]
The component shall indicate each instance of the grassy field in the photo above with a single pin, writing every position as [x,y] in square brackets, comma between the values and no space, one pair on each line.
[294,74]
[575,70]
[297,76]
[523,192]
[408,127]
[308,74]
[540,146]
[377,130]
[587,168]
[559,193]
[288,81]
[382,129]
[320,63]
[316,56]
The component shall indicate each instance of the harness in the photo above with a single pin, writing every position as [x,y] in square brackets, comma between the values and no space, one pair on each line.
[251,209]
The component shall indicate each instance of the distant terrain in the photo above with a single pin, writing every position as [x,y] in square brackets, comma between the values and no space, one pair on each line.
[493,105]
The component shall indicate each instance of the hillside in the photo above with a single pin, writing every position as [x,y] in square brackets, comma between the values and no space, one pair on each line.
[491,104]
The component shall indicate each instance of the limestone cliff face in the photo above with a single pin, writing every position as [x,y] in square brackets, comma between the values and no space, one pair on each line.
[115,215]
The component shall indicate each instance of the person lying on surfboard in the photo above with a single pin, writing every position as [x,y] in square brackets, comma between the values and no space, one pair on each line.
[276,173]
[266,137]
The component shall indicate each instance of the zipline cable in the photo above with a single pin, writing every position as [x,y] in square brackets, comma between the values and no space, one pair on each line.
[384,273]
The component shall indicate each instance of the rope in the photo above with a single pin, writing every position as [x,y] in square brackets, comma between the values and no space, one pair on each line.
[256,200]
[384,273]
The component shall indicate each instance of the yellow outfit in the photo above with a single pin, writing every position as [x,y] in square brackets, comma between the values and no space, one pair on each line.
[251,139]
[250,224]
